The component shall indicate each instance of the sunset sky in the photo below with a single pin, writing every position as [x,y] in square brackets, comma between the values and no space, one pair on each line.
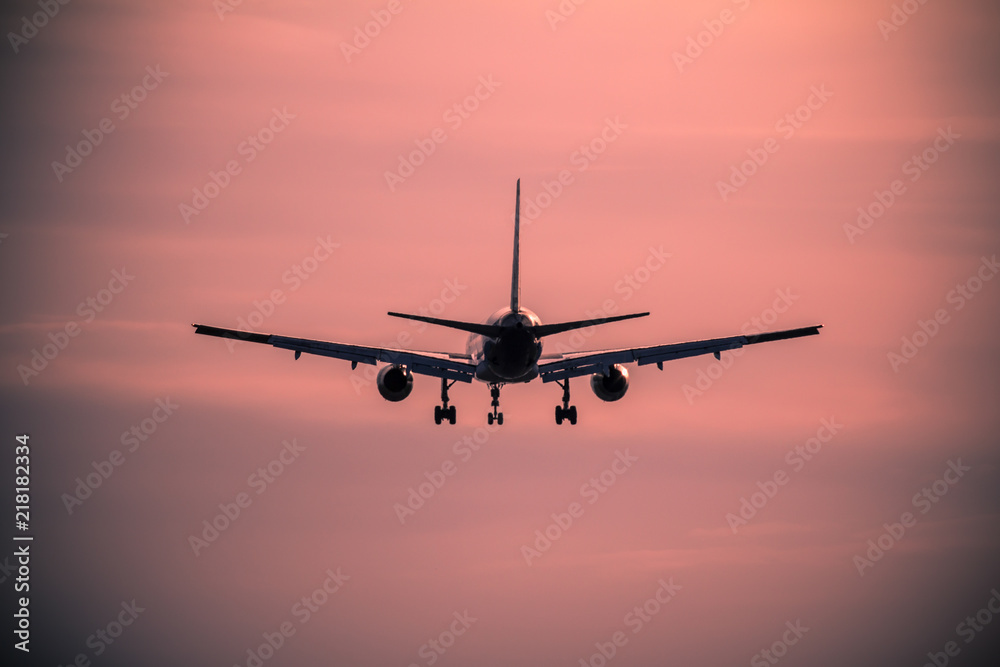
[304,167]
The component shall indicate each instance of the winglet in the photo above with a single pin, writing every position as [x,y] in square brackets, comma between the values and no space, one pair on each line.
[515,280]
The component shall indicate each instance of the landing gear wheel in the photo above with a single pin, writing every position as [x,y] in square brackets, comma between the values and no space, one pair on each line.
[565,411]
[496,415]
[444,412]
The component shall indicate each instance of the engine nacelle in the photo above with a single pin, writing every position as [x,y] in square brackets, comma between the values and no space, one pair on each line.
[612,386]
[394,383]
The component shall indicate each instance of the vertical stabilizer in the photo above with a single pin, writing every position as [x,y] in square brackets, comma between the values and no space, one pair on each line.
[515,280]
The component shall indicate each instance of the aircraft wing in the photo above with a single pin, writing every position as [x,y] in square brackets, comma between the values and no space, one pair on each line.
[586,363]
[437,364]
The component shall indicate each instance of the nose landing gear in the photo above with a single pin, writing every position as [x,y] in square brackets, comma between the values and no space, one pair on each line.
[495,416]
[565,411]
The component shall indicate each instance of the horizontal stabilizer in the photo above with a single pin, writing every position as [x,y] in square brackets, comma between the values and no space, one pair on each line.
[549,329]
[490,330]
[493,330]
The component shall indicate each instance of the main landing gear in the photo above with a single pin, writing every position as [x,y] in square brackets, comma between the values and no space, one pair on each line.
[495,416]
[443,412]
[565,411]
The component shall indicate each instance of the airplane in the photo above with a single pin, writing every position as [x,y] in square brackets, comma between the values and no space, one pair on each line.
[507,349]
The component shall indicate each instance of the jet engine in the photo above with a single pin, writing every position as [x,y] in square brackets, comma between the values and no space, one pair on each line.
[394,383]
[612,386]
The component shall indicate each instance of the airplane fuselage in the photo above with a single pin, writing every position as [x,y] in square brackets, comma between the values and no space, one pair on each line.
[513,355]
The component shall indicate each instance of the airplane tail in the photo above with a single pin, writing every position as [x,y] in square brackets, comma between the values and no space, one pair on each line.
[515,279]
[493,330]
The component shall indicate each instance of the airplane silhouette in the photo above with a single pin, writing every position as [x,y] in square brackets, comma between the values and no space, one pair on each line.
[507,348]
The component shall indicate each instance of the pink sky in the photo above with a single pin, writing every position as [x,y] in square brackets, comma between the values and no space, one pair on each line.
[546,89]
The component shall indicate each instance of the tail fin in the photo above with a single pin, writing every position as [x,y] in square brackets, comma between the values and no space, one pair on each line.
[515,280]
